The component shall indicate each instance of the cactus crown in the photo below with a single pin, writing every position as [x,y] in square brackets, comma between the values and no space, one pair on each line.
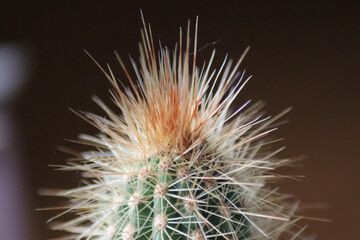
[176,164]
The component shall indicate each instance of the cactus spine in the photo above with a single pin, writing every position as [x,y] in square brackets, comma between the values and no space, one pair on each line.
[176,164]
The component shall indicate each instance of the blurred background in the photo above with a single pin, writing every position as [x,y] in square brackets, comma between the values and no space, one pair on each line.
[304,54]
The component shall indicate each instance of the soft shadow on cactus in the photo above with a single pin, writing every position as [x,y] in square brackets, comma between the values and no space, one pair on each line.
[172,161]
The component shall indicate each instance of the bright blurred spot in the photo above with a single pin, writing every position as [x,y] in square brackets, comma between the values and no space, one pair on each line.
[14,212]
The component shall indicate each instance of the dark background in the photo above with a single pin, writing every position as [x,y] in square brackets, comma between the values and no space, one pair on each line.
[304,54]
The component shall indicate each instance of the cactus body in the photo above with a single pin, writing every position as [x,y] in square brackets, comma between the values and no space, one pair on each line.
[175,163]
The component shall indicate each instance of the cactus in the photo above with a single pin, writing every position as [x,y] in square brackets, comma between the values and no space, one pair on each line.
[175,162]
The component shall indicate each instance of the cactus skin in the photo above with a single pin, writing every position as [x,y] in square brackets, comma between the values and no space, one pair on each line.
[176,164]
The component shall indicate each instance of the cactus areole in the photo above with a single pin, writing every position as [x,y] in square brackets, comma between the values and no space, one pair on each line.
[173,162]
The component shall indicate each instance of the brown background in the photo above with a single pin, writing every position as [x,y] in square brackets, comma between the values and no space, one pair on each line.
[303,54]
